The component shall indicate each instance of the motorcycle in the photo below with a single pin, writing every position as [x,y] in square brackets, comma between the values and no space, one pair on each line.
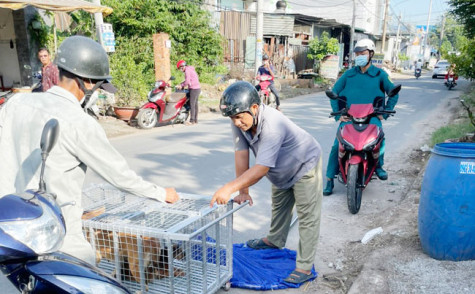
[162,107]
[32,229]
[450,82]
[417,73]
[266,95]
[359,145]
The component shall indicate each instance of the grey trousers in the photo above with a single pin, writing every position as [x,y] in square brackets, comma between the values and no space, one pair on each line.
[194,94]
[306,194]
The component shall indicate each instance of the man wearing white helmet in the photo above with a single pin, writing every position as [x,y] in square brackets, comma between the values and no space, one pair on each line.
[360,84]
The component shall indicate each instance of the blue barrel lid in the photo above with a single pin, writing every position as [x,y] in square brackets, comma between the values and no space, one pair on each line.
[464,150]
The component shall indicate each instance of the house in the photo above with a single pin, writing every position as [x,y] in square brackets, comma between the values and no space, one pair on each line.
[18,47]
[285,34]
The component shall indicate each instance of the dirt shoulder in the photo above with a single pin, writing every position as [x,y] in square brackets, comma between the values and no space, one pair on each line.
[392,262]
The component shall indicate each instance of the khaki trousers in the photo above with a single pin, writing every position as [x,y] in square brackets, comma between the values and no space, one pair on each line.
[306,194]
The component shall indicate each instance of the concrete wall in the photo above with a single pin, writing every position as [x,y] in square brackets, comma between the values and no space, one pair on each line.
[25,46]
[9,68]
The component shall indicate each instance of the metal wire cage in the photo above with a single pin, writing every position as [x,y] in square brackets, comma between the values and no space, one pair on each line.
[153,247]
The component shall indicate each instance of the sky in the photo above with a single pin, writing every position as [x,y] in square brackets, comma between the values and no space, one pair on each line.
[416,12]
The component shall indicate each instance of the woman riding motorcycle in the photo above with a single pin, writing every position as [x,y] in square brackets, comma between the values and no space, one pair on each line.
[359,85]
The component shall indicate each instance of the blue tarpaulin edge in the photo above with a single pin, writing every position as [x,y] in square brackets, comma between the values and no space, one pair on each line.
[263,269]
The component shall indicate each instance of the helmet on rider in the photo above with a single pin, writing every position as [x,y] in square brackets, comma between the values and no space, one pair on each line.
[364,44]
[180,63]
[265,57]
[238,98]
[85,59]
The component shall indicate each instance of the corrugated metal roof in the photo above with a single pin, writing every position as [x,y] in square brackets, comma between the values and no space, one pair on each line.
[276,25]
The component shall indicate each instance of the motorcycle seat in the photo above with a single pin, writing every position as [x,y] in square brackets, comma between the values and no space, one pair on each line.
[174,97]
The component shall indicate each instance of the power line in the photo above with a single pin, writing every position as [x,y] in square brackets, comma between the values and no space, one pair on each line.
[319,6]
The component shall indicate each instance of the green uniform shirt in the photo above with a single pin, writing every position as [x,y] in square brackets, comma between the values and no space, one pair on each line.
[361,88]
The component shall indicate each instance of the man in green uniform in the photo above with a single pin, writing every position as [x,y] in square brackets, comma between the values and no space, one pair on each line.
[360,85]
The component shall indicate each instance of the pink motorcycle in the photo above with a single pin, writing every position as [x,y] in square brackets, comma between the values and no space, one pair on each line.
[267,97]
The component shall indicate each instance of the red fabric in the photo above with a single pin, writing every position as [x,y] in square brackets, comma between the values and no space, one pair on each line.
[50,76]
[452,75]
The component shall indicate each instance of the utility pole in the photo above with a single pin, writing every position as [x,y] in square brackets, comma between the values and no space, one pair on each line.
[385,25]
[396,46]
[442,33]
[98,20]
[259,33]
[427,32]
[352,36]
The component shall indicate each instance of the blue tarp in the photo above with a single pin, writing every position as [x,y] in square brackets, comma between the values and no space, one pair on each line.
[263,269]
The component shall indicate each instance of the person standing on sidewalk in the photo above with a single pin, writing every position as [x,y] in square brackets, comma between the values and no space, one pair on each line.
[292,161]
[193,83]
[49,71]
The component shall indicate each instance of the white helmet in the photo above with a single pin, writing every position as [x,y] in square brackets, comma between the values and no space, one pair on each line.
[364,44]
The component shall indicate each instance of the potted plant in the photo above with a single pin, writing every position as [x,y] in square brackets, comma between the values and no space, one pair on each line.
[127,103]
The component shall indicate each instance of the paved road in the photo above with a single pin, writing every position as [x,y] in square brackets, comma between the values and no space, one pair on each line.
[199,159]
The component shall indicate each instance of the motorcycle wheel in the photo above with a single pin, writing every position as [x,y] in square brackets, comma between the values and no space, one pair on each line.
[182,116]
[451,86]
[147,118]
[353,191]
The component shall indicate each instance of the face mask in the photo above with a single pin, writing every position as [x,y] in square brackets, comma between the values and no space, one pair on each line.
[92,100]
[361,60]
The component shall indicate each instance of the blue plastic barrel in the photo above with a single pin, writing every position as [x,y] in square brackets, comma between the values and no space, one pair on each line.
[447,204]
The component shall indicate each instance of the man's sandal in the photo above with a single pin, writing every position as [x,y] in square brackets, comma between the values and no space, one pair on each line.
[298,278]
[259,244]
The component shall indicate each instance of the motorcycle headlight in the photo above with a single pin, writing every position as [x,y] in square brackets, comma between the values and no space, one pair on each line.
[370,145]
[359,120]
[90,286]
[43,235]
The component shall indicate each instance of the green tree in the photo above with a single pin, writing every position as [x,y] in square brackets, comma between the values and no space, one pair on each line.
[134,23]
[445,48]
[465,61]
[323,46]
[464,11]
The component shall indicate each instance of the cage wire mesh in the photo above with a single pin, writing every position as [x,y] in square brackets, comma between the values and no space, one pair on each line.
[153,247]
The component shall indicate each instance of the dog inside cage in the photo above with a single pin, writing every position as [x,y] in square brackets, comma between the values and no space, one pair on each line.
[153,247]
[134,252]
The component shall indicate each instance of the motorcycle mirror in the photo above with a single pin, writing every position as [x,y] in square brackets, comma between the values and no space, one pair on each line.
[48,140]
[330,94]
[394,90]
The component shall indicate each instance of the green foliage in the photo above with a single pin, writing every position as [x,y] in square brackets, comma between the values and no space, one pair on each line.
[186,23]
[403,57]
[451,131]
[41,33]
[134,23]
[132,74]
[83,24]
[462,128]
[323,46]
[464,10]
[466,60]
[445,48]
